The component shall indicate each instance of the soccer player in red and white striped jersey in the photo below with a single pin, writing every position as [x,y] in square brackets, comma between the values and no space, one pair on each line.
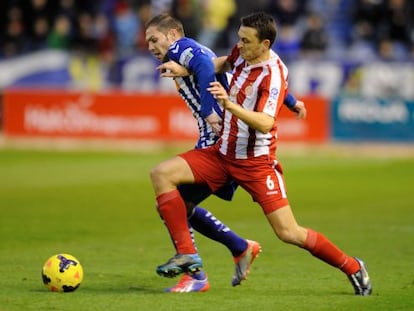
[261,88]
[245,153]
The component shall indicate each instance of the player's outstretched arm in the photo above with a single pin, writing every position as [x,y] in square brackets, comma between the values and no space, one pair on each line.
[221,65]
[297,106]
[171,69]
[259,121]
[300,109]
[216,122]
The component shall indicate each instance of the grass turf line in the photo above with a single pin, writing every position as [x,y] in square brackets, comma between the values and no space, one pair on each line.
[99,206]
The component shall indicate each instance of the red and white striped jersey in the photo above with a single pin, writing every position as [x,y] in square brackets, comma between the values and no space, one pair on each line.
[261,87]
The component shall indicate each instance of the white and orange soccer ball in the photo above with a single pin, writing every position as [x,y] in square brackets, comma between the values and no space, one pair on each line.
[62,273]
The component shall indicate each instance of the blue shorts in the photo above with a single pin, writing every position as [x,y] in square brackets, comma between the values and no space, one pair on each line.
[196,193]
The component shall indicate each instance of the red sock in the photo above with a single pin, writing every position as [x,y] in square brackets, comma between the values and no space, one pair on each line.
[319,246]
[172,210]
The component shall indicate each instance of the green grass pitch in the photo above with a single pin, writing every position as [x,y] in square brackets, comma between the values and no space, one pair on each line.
[99,207]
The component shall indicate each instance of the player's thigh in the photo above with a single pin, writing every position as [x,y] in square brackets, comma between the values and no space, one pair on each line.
[207,167]
[176,169]
[226,192]
[264,181]
[194,193]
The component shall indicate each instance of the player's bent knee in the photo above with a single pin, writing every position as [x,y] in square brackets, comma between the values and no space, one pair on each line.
[159,175]
[154,174]
[162,170]
[288,236]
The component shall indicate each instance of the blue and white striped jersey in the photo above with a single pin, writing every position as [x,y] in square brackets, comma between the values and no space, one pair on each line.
[193,89]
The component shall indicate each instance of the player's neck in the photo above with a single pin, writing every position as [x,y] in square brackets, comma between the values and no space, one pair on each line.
[262,58]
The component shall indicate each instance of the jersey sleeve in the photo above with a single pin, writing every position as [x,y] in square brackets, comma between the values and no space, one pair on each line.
[200,64]
[290,101]
[272,93]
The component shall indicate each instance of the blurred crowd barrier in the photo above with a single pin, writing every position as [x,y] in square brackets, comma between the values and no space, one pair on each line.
[58,94]
[162,117]
[137,73]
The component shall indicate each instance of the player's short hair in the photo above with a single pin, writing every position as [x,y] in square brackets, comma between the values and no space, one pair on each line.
[164,22]
[263,23]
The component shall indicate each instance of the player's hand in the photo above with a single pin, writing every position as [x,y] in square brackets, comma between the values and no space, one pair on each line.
[219,92]
[171,69]
[300,110]
[216,122]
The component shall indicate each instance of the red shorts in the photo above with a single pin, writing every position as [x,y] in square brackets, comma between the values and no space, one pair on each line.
[261,177]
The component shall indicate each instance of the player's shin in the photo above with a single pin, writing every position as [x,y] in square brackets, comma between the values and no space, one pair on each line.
[207,224]
[172,210]
[319,246]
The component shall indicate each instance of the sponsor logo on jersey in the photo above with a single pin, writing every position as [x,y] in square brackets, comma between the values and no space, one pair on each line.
[270,105]
[186,56]
[249,90]
[234,90]
[273,93]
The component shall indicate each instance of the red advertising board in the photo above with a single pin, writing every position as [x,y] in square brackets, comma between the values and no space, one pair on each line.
[34,113]
[97,115]
[316,127]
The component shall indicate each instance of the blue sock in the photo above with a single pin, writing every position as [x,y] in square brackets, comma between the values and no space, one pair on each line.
[208,225]
[200,275]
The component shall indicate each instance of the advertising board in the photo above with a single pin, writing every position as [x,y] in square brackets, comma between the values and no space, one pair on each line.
[153,116]
[357,118]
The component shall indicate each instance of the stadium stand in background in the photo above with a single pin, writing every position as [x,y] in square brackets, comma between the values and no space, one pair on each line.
[339,50]
[344,28]
[100,36]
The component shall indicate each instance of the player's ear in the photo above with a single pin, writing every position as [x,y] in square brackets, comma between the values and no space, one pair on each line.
[172,35]
[266,43]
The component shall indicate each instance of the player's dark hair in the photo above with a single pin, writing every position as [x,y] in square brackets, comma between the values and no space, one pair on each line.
[165,22]
[263,23]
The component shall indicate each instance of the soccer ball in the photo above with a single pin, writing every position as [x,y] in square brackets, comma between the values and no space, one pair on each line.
[62,273]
